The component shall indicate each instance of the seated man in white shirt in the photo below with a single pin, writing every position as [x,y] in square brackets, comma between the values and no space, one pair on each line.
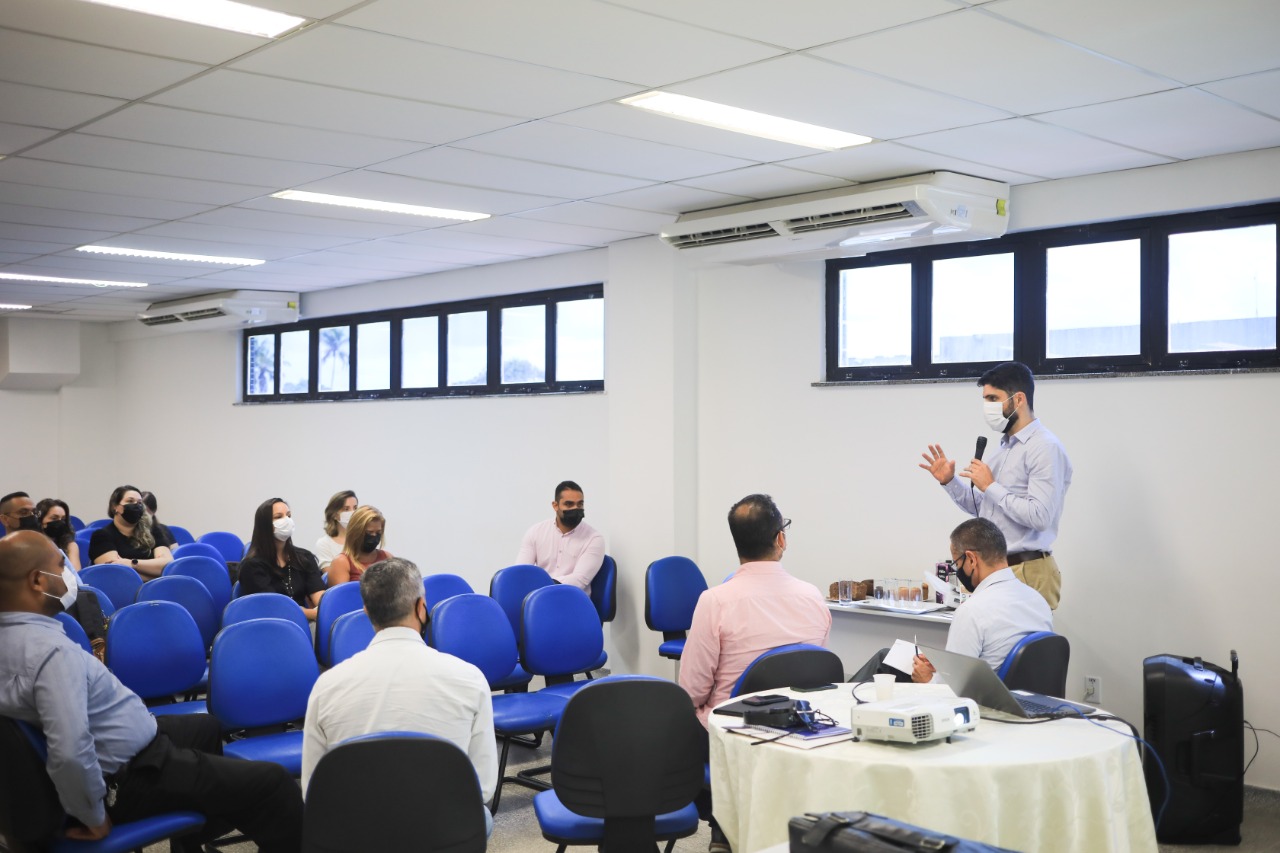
[400,683]
[567,547]
[1001,609]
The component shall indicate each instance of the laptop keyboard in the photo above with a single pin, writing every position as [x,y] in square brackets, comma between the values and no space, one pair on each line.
[1033,707]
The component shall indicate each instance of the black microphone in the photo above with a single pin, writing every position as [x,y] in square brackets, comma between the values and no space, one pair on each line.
[982,446]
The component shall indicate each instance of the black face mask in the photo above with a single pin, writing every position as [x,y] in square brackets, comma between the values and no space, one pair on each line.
[28,522]
[965,580]
[132,513]
[55,530]
[571,518]
[371,541]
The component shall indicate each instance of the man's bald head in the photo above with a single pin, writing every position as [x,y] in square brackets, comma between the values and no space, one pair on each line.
[23,557]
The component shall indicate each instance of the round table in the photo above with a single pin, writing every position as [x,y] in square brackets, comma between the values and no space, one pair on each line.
[1065,785]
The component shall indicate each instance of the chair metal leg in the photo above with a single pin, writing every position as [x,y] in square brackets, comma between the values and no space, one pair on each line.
[528,779]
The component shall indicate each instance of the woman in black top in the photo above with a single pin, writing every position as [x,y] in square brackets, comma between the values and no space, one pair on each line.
[129,539]
[275,564]
[55,520]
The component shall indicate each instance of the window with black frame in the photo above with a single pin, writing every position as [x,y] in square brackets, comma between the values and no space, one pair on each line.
[531,343]
[1166,294]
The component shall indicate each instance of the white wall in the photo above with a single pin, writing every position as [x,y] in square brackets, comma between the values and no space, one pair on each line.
[710,396]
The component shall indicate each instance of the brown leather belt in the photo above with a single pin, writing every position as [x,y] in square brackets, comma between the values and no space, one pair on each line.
[1019,557]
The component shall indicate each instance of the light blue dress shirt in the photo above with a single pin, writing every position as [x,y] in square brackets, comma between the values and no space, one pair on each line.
[93,723]
[1032,474]
[1001,611]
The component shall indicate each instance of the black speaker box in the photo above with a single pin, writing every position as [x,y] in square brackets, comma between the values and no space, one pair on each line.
[1193,717]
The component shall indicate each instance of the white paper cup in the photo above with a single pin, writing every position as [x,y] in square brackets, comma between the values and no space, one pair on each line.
[884,686]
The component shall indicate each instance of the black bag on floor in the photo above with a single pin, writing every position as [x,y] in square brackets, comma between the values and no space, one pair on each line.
[860,832]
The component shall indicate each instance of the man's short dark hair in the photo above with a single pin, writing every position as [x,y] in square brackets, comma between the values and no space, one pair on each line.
[981,536]
[1012,377]
[4,501]
[754,522]
[390,588]
[567,486]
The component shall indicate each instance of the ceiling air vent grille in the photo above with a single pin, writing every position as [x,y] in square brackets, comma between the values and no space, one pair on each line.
[737,234]
[203,314]
[845,218]
[162,320]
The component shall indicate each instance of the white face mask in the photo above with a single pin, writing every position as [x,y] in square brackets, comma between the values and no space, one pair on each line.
[344,518]
[69,578]
[283,528]
[993,411]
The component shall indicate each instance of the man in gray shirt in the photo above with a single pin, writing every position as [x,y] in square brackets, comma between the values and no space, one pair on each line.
[109,758]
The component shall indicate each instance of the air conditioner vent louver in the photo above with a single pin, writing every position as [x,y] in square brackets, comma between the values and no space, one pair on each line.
[162,320]
[204,314]
[845,218]
[225,310]
[725,235]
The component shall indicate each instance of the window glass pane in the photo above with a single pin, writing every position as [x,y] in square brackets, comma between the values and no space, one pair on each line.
[1222,290]
[468,354]
[524,344]
[875,316]
[261,376]
[335,356]
[580,340]
[295,362]
[420,352]
[973,309]
[373,356]
[1093,299]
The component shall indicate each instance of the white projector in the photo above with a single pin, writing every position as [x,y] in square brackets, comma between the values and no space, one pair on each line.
[914,720]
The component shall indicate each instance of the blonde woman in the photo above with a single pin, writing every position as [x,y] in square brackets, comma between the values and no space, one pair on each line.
[337,515]
[129,539]
[364,535]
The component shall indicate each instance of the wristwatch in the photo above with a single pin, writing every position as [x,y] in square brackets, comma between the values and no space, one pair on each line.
[135,562]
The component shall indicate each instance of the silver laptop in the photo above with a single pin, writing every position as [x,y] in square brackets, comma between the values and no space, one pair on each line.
[974,679]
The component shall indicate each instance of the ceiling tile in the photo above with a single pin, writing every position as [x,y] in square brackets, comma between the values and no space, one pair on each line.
[447,164]
[429,257]
[58,64]
[1257,91]
[92,202]
[761,182]
[389,65]
[218,234]
[70,218]
[602,216]
[1033,73]
[548,232]
[405,190]
[62,237]
[1187,40]
[451,238]
[883,160]
[626,45]
[1034,149]
[42,107]
[359,225]
[15,137]
[670,198]
[39,172]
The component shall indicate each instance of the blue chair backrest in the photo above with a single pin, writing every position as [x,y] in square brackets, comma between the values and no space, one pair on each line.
[210,571]
[229,545]
[155,648]
[264,605]
[104,601]
[201,549]
[120,583]
[560,631]
[336,601]
[351,633]
[475,628]
[181,534]
[436,588]
[671,589]
[73,629]
[823,660]
[76,524]
[261,673]
[101,522]
[1029,638]
[83,537]
[604,589]
[510,586]
[193,596]
[235,590]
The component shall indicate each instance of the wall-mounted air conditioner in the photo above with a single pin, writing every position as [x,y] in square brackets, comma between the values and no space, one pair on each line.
[939,207]
[226,310]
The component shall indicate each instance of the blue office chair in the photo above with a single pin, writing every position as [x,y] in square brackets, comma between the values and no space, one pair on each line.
[155,649]
[94,525]
[560,635]
[509,588]
[265,605]
[436,588]
[229,545]
[422,788]
[83,538]
[181,535]
[351,633]
[1038,664]
[201,549]
[235,590]
[104,600]
[74,630]
[671,589]
[625,768]
[193,596]
[474,628]
[343,598]
[119,583]
[604,589]
[792,665]
[32,814]
[76,524]
[209,571]
[260,676]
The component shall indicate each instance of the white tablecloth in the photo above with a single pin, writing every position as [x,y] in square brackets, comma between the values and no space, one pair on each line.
[1066,785]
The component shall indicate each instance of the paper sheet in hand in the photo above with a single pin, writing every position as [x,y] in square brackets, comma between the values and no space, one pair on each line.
[901,656]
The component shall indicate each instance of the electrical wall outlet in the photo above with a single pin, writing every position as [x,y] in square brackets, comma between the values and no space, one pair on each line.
[1092,689]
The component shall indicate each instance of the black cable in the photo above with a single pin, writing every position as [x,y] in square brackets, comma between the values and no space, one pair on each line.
[1257,744]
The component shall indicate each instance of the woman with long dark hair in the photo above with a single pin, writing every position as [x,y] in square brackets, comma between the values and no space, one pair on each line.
[55,520]
[129,539]
[275,564]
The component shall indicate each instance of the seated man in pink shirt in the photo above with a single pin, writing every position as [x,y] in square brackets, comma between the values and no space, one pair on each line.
[567,547]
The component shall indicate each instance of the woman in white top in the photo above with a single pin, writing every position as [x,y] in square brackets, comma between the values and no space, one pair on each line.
[336,517]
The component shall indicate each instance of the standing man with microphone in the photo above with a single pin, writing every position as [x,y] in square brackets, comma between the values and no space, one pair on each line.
[1022,485]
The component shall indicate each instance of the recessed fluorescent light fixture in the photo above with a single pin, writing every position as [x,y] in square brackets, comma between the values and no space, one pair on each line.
[7,307]
[170,256]
[223,14]
[48,279]
[745,121]
[384,206]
